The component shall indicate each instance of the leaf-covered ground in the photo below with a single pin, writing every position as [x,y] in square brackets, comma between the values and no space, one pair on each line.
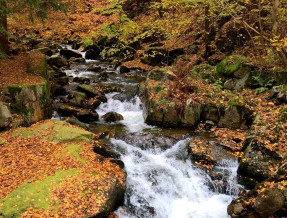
[46,172]
[15,71]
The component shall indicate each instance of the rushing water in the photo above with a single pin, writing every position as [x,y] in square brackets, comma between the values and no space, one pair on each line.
[161,182]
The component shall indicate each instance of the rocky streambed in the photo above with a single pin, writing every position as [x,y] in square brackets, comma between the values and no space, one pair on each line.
[162,179]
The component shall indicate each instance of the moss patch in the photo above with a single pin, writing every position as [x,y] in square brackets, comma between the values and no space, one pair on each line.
[72,150]
[230,65]
[35,195]
[2,140]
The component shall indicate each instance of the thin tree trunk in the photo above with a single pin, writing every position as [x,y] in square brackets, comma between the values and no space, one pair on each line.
[207,31]
[281,52]
[4,46]
[275,17]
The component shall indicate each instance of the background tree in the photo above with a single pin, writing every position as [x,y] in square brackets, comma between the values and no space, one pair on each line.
[38,8]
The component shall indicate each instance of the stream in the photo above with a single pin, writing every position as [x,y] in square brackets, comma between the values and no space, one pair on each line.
[161,179]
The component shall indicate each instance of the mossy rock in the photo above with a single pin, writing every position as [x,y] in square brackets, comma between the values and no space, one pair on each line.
[2,140]
[236,102]
[31,101]
[60,131]
[230,65]
[36,194]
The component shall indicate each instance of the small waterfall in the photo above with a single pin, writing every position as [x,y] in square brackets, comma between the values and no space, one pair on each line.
[161,182]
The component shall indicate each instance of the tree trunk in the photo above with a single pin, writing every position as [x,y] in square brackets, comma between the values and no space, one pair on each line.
[275,17]
[207,31]
[4,46]
[281,52]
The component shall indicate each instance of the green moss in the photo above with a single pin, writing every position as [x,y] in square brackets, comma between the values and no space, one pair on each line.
[236,102]
[230,65]
[2,140]
[45,101]
[36,131]
[36,195]
[63,132]
[73,150]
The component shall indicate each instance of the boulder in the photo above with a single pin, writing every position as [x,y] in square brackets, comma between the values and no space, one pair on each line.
[98,183]
[236,84]
[269,202]
[90,91]
[70,53]
[78,99]
[93,53]
[236,117]
[160,110]
[230,65]
[76,122]
[95,69]
[46,51]
[5,116]
[83,115]
[82,80]
[58,61]
[112,117]
[122,97]
[30,101]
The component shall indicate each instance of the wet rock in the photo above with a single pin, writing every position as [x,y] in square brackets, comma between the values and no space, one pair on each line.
[112,117]
[58,61]
[83,115]
[96,69]
[105,149]
[123,69]
[78,99]
[93,54]
[76,122]
[82,80]
[5,116]
[77,60]
[122,97]
[70,53]
[199,151]
[90,91]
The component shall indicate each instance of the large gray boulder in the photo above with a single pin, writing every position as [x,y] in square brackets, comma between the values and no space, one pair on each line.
[5,116]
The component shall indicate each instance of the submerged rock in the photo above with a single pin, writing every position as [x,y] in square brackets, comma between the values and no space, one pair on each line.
[112,117]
